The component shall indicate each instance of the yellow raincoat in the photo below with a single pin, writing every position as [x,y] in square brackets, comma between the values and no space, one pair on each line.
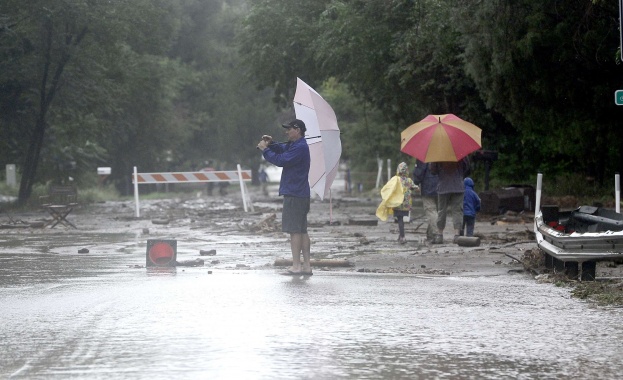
[392,195]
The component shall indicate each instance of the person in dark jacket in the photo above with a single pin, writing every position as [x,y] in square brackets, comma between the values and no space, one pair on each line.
[428,183]
[293,156]
[451,190]
[471,206]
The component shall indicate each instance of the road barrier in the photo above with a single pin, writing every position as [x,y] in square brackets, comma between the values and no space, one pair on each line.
[239,175]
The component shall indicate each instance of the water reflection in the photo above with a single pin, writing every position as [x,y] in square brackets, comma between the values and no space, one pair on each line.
[102,319]
[161,271]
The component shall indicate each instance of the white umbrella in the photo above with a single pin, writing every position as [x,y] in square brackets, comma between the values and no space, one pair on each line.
[323,137]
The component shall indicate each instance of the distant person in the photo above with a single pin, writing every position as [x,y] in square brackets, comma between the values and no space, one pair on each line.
[450,191]
[348,182]
[471,206]
[403,210]
[293,157]
[264,181]
[209,185]
[428,182]
[222,185]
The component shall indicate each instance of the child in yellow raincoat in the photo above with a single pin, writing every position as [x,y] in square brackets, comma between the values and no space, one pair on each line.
[396,199]
[403,209]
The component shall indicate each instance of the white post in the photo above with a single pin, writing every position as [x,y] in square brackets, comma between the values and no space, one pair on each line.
[379,173]
[537,207]
[138,213]
[539,185]
[617,192]
[389,169]
[11,175]
[244,198]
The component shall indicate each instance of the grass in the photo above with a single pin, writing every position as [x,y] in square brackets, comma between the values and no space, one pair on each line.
[604,293]
[85,196]
[98,194]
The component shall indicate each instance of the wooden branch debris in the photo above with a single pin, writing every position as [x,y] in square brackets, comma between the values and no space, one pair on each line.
[514,258]
[267,224]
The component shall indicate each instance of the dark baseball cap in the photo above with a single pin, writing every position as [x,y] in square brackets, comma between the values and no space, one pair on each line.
[296,123]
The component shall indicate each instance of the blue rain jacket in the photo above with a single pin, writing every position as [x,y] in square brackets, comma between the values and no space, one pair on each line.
[471,200]
[294,158]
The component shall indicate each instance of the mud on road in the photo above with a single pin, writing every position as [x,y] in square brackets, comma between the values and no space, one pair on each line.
[345,230]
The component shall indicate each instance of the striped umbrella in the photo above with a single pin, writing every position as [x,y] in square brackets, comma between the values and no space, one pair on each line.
[438,138]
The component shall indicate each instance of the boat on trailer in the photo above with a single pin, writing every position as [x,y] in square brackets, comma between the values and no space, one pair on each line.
[579,238]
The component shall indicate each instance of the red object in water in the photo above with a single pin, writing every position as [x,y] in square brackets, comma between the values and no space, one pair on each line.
[161,253]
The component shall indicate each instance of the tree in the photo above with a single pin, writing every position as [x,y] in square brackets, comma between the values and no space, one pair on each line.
[401,57]
[276,53]
[544,70]
[55,47]
[549,68]
[226,114]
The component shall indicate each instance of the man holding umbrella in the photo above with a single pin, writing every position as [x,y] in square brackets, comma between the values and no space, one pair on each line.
[428,183]
[444,141]
[293,156]
[450,190]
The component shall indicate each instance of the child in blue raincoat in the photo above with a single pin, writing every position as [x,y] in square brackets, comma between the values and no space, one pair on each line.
[471,206]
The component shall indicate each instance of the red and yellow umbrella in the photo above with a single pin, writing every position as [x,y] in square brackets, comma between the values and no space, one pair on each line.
[438,138]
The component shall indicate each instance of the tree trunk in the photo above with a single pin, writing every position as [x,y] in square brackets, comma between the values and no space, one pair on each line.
[29,169]
[36,139]
[47,91]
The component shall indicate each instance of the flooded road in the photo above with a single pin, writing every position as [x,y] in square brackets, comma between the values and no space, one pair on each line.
[94,316]
[411,311]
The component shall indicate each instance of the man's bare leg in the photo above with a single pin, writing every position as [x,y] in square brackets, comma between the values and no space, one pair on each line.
[296,245]
[306,247]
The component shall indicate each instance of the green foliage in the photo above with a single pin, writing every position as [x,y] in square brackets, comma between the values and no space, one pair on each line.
[549,71]
[604,293]
[61,53]
[153,84]
[537,77]
[397,58]
[86,196]
[7,190]
[364,132]
[147,134]
[97,194]
[221,107]
[275,42]
[170,84]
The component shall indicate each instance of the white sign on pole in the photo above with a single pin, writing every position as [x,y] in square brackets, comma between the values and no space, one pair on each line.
[11,175]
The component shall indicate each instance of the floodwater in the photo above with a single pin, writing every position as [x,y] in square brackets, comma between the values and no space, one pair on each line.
[94,316]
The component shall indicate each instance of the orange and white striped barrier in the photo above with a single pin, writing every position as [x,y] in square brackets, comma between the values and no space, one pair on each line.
[193,177]
[189,177]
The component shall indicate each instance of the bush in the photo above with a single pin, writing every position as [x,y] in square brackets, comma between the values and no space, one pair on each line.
[97,194]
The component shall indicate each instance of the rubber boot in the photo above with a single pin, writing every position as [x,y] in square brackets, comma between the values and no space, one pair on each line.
[438,239]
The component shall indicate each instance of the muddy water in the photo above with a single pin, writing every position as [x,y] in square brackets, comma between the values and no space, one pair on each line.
[68,316]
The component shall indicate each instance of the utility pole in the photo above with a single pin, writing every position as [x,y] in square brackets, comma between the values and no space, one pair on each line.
[621,27]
